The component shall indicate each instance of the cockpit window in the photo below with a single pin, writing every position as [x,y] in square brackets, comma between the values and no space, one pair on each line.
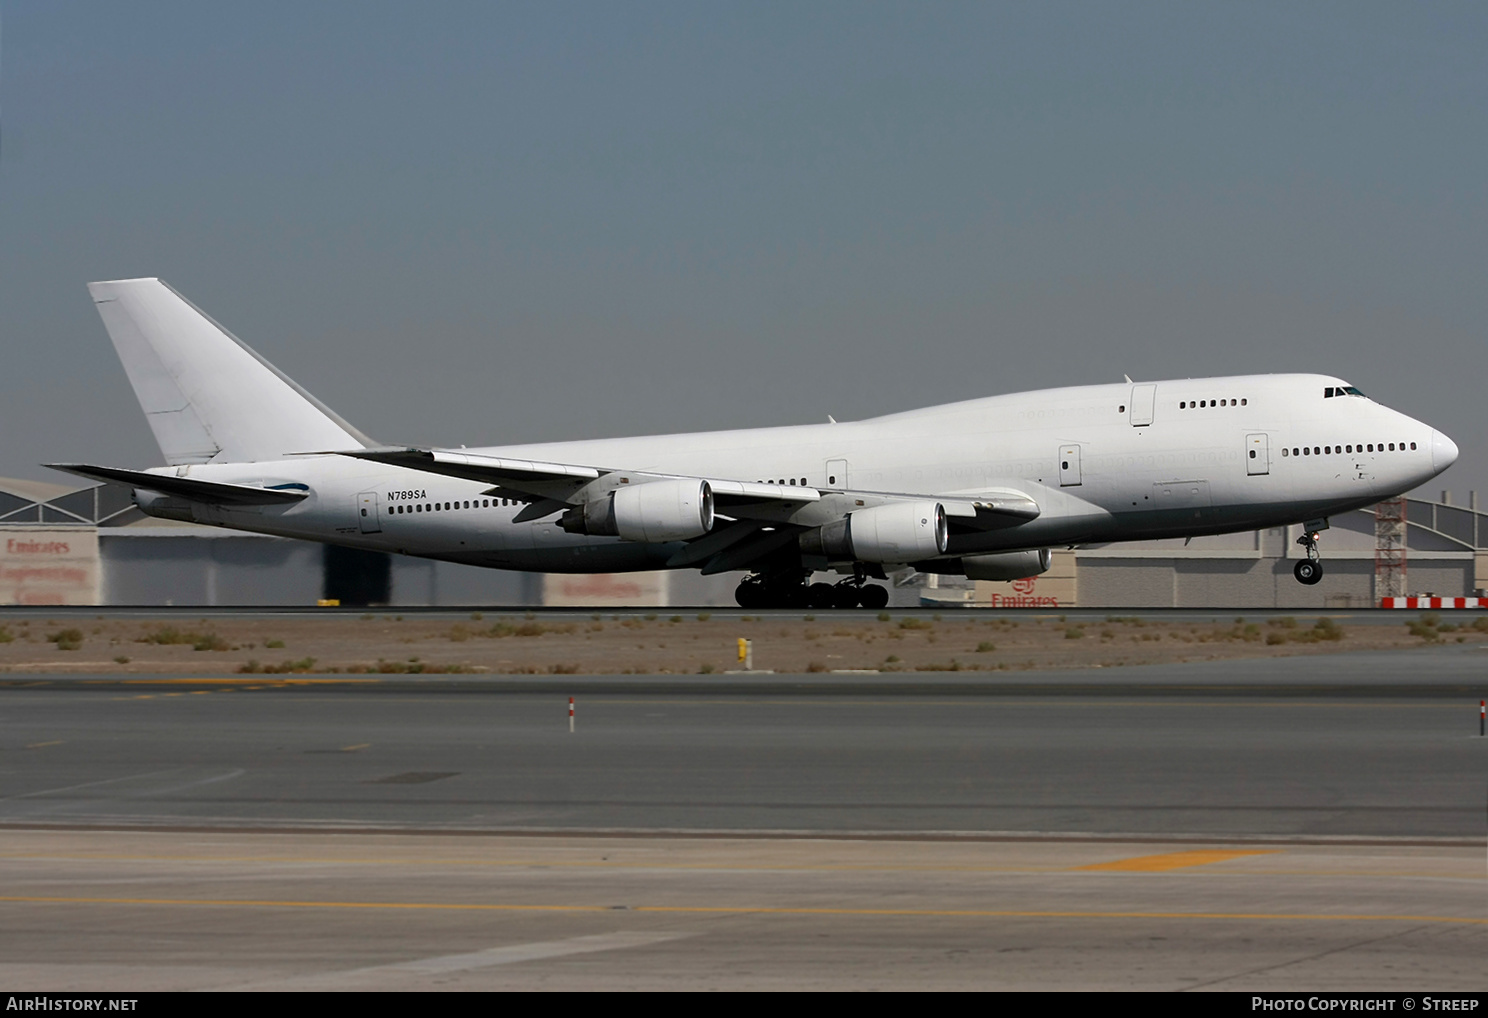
[1341,390]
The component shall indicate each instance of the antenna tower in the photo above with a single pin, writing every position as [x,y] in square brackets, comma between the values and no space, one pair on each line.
[1389,548]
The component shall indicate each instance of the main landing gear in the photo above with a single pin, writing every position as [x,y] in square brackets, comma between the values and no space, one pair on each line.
[789,589]
[1310,569]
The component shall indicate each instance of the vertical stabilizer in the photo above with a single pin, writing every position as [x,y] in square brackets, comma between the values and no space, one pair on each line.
[207,396]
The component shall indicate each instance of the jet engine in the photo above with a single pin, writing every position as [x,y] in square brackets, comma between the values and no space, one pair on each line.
[898,532]
[656,511]
[1007,565]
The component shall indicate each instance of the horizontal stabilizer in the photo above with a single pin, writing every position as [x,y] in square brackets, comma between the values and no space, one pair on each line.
[214,492]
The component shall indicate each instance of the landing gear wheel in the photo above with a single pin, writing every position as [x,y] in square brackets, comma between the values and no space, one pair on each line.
[750,594]
[1307,571]
[1310,569]
[821,595]
[846,595]
[874,597]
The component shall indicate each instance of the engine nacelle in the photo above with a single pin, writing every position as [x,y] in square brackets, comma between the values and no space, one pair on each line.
[653,512]
[898,532]
[1007,565]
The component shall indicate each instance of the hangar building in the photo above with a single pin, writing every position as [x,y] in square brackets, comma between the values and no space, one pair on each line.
[84,546]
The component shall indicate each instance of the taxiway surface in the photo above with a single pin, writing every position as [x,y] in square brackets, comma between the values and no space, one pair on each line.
[1310,823]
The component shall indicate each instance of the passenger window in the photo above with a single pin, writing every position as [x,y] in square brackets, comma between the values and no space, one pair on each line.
[832,479]
[1306,451]
[1182,405]
[1243,401]
[1283,452]
[1328,449]
[1392,446]
[1413,445]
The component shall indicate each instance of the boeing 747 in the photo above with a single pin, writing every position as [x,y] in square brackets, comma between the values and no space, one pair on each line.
[981,488]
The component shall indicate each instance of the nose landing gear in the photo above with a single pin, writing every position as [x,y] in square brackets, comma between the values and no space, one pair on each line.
[1310,569]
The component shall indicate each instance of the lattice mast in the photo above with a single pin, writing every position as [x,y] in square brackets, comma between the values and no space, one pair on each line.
[1389,548]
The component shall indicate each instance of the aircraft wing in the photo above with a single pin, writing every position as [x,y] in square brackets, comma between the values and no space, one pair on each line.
[189,487]
[566,483]
[550,487]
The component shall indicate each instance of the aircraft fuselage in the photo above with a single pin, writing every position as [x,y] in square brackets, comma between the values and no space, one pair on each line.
[1104,463]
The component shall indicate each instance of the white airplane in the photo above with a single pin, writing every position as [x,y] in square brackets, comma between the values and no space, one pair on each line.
[981,488]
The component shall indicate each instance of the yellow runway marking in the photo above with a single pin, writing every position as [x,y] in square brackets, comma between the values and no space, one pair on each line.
[353,749]
[39,745]
[747,910]
[1173,860]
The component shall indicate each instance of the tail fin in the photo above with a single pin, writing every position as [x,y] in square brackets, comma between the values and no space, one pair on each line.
[207,396]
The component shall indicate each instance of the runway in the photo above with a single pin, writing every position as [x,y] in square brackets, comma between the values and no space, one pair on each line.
[1330,748]
[139,911]
[1317,826]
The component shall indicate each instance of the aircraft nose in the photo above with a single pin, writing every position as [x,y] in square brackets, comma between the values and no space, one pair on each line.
[1443,451]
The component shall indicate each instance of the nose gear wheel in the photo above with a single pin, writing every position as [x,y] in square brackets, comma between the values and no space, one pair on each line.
[1310,569]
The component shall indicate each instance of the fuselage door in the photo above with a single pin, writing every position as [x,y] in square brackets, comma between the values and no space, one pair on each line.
[1069,465]
[837,473]
[1142,399]
[367,514]
[1257,455]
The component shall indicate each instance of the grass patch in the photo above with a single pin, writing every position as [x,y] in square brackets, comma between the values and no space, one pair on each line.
[66,639]
[209,641]
[503,629]
[254,667]
[986,647]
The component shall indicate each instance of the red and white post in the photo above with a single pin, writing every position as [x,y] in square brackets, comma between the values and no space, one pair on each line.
[570,715]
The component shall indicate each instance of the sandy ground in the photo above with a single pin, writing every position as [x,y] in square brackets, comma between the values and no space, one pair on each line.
[663,643]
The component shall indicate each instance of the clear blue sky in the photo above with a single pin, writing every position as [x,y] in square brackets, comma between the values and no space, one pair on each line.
[478,223]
